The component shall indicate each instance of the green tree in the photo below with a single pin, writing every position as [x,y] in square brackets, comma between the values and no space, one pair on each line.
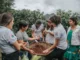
[5,5]
[65,15]
[30,16]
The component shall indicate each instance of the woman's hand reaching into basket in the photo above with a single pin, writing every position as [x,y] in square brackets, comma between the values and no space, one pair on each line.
[37,38]
[32,52]
[46,51]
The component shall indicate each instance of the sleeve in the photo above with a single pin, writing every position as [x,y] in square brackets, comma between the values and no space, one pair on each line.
[57,34]
[42,26]
[32,28]
[26,37]
[19,36]
[79,36]
[10,37]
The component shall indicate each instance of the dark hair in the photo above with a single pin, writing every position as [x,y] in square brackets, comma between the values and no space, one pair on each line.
[23,23]
[55,19]
[38,22]
[5,19]
[49,27]
[74,19]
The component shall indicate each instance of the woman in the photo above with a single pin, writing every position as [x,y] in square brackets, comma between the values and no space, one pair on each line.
[60,45]
[22,35]
[73,38]
[8,41]
[48,32]
[37,29]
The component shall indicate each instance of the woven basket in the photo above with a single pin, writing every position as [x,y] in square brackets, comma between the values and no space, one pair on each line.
[39,47]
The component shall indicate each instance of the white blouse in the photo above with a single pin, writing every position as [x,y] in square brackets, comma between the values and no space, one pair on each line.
[38,32]
[49,38]
[75,36]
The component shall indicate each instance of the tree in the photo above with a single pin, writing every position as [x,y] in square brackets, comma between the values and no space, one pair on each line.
[5,5]
[65,15]
[30,16]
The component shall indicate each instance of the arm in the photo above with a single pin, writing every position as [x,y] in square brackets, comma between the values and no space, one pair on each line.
[51,33]
[33,33]
[26,37]
[33,28]
[52,47]
[24,44]
[57,39]
[33,39]
[55,44]
[27,49]
[12,39]
[79,39]
[43,34]
[17,45]
[20,41]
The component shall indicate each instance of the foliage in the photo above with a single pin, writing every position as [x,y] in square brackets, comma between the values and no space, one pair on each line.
[30,16]
[65,15]
[5,5]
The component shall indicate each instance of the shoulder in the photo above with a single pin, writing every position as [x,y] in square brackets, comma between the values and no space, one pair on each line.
[8,31]
[18,33]
[25,32]
[56,29]
[5,31]
[33,25]
[61,29]
[78,27]
[42,26]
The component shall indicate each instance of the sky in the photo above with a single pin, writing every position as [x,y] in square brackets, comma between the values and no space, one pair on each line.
[48,6]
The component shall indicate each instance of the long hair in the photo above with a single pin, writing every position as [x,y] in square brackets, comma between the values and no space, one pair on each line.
[49,27]
[55,19]
[5,19]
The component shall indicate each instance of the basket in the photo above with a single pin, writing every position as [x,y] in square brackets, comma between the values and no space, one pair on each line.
[39,47]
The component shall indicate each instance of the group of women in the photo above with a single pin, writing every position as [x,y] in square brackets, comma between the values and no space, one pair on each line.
[65,46]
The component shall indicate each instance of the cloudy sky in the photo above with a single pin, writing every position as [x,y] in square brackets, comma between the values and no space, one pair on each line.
[48,6]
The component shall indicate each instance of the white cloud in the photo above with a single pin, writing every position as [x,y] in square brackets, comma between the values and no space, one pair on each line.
[48,6]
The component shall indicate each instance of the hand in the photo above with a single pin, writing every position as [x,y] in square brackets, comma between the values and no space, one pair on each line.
[45,31]
[32,52]
[37,38]
[21,44]
[46,51]
[48,31]
[25,43]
